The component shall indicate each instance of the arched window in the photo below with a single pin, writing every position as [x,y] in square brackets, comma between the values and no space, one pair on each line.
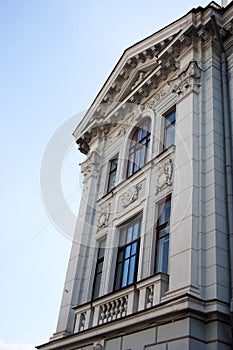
[139,147]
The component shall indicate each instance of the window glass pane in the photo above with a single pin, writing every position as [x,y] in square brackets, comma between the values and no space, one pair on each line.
[136,230]
[99,267]
[112,181]
[122,237]
[118,276]
[132,270]
[120,255]
[127,251]
[164,212]
[137,160]
[170,136]
[134,248]
[142,156]
[164,231]
[139,134]
[101,252]
[163,255]
[167,211]
[114,163]
[129,234]
[125,273]
[112,174]
[97,286]
[171,118]
[144,130]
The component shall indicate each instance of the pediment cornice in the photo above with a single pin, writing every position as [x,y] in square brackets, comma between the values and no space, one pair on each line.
[142,69]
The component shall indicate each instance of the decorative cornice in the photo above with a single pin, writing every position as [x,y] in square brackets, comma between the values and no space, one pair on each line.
[187,80]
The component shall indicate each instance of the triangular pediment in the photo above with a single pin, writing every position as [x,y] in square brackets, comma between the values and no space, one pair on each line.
[142,69]
[135,65]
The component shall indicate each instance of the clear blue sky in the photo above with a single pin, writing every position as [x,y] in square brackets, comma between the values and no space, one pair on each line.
[55,56]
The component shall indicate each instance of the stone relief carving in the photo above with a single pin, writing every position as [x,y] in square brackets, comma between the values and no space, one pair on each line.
[131,195]
[164,177]
[140,78]
[103,217]
[153,102]
[97,346]
[90,166]
[187,80]
[130,121]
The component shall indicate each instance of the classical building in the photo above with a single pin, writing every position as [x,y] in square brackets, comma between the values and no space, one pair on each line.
[151,261]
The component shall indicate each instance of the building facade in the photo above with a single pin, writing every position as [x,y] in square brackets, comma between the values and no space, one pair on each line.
[151,260]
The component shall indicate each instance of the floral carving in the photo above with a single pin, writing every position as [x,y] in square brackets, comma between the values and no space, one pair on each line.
[131,195]
[153,102]
[103,217]
[164,178]
[187,80]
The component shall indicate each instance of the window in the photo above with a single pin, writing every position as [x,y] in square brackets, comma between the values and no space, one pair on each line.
[98,271]
[169,129]
[162,233]
[112,174]
[139,147]
[128,254]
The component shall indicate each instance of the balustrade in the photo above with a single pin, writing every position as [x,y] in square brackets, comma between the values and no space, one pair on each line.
[144,295]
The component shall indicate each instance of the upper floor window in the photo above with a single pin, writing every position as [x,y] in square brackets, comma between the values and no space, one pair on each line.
[98,271]
[112,174]
[169,129]
[139,147]
[128,254]
[162,233]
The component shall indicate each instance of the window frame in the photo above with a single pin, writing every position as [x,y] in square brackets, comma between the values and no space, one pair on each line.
[159,228]
[124,264]
[136,145]
[169,126]
[99,261]
[111,173]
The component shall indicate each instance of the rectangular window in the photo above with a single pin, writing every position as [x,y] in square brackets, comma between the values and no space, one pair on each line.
[169,129]
[98,271]
[112,174]
[128,254]
[162,233]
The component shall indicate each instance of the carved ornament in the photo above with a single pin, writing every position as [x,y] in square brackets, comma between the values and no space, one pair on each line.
[164,178]
[90,166]
[130,121]
[187,80]
[103,217]
[131,195]
[154,101]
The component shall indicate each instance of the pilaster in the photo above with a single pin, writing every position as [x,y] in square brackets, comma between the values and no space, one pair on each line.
[72,294]
[184,222]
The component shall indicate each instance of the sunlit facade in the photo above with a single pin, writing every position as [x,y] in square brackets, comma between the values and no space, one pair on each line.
[151,261]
